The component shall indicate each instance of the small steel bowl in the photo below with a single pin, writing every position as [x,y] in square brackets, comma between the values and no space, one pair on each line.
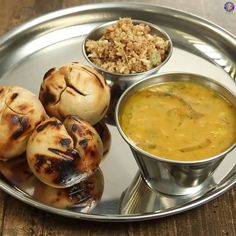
[170,176]
[114,77]
[120,82]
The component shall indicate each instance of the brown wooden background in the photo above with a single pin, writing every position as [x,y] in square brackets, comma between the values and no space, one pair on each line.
[215,218]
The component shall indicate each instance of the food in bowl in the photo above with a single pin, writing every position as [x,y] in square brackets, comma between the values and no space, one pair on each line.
[20,112]
[75,89]
[127,48]
[63,154]
[182,121]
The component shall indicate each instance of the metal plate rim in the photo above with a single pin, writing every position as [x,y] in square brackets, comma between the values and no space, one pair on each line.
[70,10]
[115,218]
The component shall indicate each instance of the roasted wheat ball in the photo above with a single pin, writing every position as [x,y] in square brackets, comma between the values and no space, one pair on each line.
[64,154]
[75,89]
[20,112]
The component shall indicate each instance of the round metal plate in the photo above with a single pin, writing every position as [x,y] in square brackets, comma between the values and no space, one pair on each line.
[28,51]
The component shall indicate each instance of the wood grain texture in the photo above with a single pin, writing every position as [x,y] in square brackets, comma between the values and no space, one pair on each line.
[217,217]
[29,220]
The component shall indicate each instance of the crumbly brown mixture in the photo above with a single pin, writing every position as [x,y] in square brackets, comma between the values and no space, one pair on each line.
[127,48]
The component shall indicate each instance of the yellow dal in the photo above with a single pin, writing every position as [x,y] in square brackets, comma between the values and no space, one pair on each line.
[179,121]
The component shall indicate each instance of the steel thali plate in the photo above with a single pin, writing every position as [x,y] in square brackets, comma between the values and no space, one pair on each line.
[200,46]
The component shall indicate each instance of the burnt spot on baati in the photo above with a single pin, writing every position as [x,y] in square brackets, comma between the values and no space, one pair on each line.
[65,142]
[64,169]
[13,96]
[23,124]
[1,90]
[47,97]
[14,119]
[52,123]
[67,172]
[40,160]
[48,73]
[56,166]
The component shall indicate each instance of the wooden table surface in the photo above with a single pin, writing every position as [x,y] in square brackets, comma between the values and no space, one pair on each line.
[217,217]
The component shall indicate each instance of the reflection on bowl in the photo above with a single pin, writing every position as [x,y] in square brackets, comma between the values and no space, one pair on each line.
[179,127]
[120,81]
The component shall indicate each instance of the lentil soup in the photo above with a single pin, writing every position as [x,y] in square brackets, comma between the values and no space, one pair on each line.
[179,121]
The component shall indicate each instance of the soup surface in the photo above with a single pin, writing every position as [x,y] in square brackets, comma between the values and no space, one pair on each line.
[179,121]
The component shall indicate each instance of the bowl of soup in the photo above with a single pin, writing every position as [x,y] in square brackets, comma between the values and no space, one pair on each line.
[179,126]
